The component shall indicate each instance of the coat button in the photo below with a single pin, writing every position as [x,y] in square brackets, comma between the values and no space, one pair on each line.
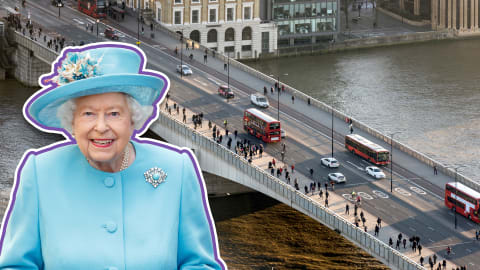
[109,182]
[110,227]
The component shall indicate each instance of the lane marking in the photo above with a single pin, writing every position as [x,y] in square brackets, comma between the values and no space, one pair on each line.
[430,228]
[412,229]
[418,190]
[402,191]
[431,240]
[78,21]
[200,82]
[468,250]
[354,165]
[380,194]
[365,195]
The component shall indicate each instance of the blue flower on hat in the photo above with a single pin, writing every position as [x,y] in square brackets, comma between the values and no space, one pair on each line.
[77,66]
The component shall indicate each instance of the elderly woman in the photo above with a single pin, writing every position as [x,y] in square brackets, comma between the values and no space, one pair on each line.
[105,199]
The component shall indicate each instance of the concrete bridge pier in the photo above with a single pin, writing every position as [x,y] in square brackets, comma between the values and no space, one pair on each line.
[29,68]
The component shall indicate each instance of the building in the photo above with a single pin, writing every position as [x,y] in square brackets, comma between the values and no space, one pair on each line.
[302,22]
[232,27]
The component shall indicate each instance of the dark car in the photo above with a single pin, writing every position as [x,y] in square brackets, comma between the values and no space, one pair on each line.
[110,33]
[225,91]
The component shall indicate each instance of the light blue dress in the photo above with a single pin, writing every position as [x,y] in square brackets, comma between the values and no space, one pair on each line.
[69,215]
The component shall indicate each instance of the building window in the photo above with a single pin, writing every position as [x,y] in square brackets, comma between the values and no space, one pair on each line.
[247,33]
[230,34]
[247,13]
[212,36]
[230,14]
[229,49]
[246,48]
[195,16]
[159,14]
[195,1]
[195,35]
[212,15]
[178,1]
[178,17]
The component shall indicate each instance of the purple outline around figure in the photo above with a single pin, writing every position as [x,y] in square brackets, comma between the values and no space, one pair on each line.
[45,82]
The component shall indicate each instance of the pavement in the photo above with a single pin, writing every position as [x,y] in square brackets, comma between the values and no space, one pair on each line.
[239,78]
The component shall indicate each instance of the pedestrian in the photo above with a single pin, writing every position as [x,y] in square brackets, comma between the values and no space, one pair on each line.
[186,46]
[260,152]
[333,185]
[326,202]
[273,162]
[351,128]
[306,188]
[224,66]
[421,261]
[271,88]
[347,208]
[272,171]
[435,172]
[311,172]
[419,249]
[414,246]
[176,50]
[293,168]
[225,123]
[143,30]
[326,194]
[364,220]
[205,58]
[235,132]
[320,193]
[293,99]
[178,109]
[397,246]
[283,155]
[434,258]
[218,132]
[283,88]
[476,234]
[444,263]
[404,242]
[430,262]
[265,90]
[448,250]
[390,242]
[185,120]
[377,230]
[379,222]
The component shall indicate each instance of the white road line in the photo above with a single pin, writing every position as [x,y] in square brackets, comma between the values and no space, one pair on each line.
[78,21]
[354,165]
[431,240]
[469,224]
[90,20]
[200,82]
[432,229]
[412,229]
[468,250]
[214,80]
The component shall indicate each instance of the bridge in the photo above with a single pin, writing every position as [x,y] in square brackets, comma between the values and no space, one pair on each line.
[306,113]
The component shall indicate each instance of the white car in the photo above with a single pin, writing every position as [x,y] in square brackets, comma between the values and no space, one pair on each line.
[375,172]
[259,100]
[337,177]
[330,162]
[283,133]
[186,70]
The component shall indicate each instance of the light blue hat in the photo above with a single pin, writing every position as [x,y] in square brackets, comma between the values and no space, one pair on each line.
[94,69]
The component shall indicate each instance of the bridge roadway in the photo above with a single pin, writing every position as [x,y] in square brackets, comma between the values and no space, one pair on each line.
[414,208]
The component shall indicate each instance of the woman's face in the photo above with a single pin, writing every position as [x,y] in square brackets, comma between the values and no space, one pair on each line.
[102,126]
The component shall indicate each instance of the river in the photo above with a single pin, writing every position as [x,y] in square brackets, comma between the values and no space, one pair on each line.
[429,92]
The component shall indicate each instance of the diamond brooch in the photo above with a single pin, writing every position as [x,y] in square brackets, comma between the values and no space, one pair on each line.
[155,176]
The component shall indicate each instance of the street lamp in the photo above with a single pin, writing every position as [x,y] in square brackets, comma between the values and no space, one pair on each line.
[278,94]
[181,55]
[59,5]
[97,26]
[456,191]
[391,160]
[138,28]
[332,131]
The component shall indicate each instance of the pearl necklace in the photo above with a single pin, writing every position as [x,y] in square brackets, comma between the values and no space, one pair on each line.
[126,156]
[125,160]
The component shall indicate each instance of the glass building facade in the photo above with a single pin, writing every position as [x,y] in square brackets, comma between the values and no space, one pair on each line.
[301,21]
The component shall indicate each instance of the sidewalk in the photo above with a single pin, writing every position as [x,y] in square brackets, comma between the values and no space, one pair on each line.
[336,203]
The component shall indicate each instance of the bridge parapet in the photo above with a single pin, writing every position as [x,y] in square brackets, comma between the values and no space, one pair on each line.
[219,160]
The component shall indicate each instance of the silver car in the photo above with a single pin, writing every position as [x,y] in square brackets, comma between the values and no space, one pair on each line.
[337,177]
[186,70]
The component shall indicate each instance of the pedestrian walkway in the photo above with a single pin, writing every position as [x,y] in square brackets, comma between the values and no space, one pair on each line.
[335,202]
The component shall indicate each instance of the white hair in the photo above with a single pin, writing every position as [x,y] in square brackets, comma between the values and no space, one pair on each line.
[139,113]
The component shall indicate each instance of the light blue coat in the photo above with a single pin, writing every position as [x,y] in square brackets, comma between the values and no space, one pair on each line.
[68,215]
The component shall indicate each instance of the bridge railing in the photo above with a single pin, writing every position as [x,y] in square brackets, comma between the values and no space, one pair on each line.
[288,195]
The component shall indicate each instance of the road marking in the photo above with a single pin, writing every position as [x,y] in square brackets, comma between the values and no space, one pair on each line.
[432,229]
[468,250]
[402,191]
[79,21]
[418,190]
[412,229]
[214,80]
[355,184]
[348,197]
[380,194]
[431,240]
[469,224]
[90,20]
[360,168]
[393,206]
[200,82]
[365,195]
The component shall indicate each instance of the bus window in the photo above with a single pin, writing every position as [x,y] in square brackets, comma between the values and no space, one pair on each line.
[383,156]
[274,125]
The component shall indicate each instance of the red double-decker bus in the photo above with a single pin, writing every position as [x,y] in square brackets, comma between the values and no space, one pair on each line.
[261,125]
[367,149]
[465,199]
[94,8]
